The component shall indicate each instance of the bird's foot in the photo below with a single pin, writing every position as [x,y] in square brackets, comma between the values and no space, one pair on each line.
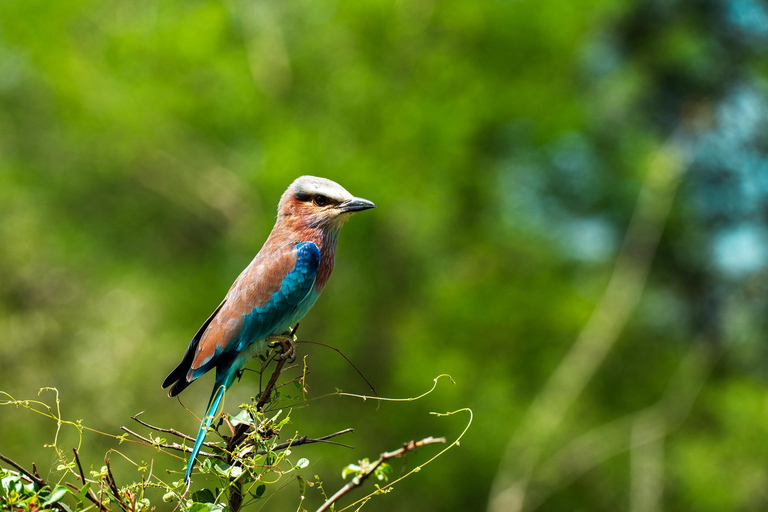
[287,343]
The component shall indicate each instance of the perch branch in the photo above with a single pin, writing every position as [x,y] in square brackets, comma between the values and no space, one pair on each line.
[240,430]
[235,497]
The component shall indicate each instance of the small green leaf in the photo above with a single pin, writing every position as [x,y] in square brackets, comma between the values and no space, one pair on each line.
[222,469]
[302,487]
[351,469]
[203,496]
[260,490]
[381,472]
[84,491]
[242,418]
[58,493]
[200,507]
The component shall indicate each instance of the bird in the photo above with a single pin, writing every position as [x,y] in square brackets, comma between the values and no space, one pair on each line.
[271,295]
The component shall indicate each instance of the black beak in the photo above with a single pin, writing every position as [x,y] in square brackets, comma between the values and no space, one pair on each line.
[356,204]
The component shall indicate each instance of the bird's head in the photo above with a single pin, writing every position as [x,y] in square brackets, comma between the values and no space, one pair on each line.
[318,203]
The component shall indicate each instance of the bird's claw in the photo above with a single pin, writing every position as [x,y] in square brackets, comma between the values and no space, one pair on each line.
[287,344]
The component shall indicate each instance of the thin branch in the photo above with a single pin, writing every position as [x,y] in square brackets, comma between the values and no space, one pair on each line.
[307,440]
[172,431]
[170,446]
[359,479]
[267,393]
[345,358]
[90,493]
[113,486]
[39,481]
[295,379]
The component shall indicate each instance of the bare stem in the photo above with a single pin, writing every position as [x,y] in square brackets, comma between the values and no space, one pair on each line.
[169,431]
[170,446]
[359,479]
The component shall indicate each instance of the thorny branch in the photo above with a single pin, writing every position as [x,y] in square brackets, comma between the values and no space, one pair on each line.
[359,479]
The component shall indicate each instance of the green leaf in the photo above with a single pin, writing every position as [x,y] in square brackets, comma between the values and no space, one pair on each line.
[260,490]
[351,469]
[84,491]
[302,487]
[58,493]
[222,469]
[203,496]
[381,472]
[203,507]
[242,418]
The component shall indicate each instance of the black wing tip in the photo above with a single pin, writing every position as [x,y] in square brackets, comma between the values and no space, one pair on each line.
[177,378]
[168,381]
[178,387]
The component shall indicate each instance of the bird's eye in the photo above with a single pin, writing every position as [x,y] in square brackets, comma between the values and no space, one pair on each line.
[321,200]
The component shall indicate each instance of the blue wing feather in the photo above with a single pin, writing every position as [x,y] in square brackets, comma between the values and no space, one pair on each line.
[278,314]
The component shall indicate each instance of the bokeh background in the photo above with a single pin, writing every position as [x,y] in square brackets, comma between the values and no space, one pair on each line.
[572,222]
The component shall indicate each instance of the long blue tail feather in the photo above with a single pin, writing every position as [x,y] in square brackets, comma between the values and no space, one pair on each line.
[210,413]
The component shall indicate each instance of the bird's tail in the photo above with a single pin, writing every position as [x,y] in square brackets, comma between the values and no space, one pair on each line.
[210,413]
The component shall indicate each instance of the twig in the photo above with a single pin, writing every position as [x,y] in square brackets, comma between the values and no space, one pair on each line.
[359,479]
[170,431]
[170,446]
[267,393]
[90,493]
[39,481]
[113,486]
[295,379]
[308,440]
[345,358]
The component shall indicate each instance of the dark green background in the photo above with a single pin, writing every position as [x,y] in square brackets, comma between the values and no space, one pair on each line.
[144,145]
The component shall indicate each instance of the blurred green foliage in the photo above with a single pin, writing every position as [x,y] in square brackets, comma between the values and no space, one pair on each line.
[144,145]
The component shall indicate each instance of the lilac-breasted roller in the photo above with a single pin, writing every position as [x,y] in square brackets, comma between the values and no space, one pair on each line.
[272,294]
